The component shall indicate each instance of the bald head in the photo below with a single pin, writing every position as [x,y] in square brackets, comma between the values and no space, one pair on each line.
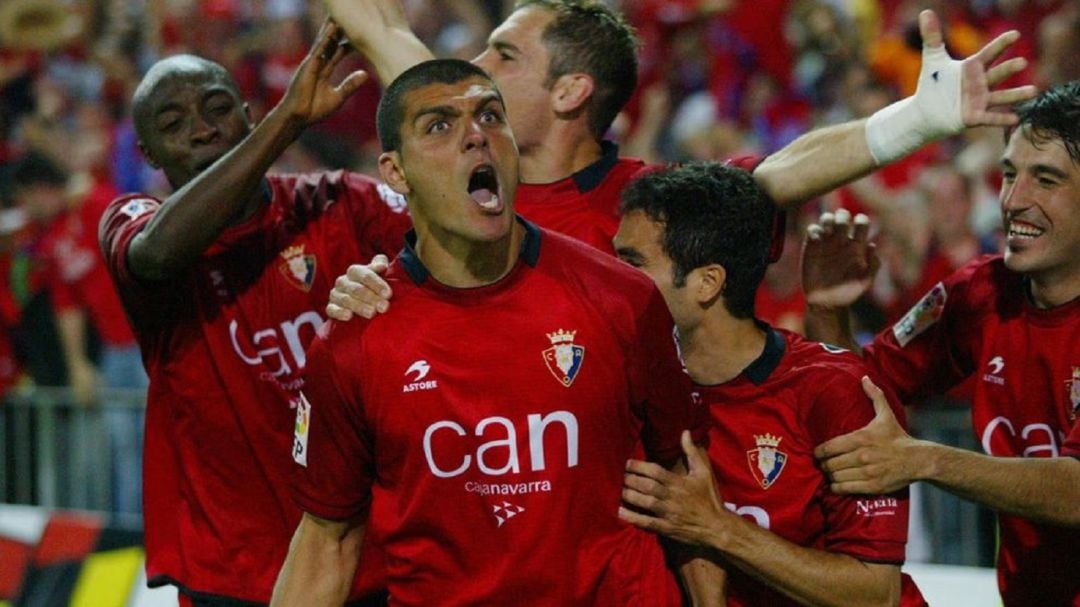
[169,71]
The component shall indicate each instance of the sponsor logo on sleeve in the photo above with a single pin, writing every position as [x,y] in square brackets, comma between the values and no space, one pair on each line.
[766,460]
[878,506]
[297,267]
[138,207]
[922,316]
[300,432]
[564,357]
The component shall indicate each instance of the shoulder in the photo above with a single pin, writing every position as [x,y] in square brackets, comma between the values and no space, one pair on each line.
[599,271]
[814,361]
[325,187]
[125,211]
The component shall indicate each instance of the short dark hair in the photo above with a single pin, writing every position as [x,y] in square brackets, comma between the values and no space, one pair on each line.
[711,213]
[163,71]
[1055,114]
[391,112]
[36,168]
[588,37]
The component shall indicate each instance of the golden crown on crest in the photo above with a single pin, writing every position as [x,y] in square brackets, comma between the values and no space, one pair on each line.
[767,440]
[293,251]
[561,336]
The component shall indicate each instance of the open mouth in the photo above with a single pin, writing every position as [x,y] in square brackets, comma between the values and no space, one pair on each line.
[484,188]
[1023,230]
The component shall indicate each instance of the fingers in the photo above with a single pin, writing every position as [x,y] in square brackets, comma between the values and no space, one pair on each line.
[814,232]
[338,313]
[644,486]
[1005,69]
[1013,95]
[368,277]
[637,519]
[881,404]
[834,447]
[840,463]
[861,230]
[930,29]
[351,83]
[648,470]
[989,53]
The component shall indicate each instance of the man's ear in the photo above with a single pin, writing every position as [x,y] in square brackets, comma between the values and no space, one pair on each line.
[571,93]
[146,155]
[709,282]
[392,172]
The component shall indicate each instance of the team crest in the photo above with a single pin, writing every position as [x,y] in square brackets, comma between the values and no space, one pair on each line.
[564,357]
[766,461]
[298,269]
[1074,393]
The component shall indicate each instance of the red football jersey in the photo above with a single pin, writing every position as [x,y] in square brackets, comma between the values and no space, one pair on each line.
[224,345]
[764,427]
[489,441]
[585,205]
[1026,364]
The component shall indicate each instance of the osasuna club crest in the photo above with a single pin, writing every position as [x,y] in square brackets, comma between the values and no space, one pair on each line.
[298,268]
[564,357]
[766,460]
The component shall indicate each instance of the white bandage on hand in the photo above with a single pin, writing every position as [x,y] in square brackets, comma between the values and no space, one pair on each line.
[932,113]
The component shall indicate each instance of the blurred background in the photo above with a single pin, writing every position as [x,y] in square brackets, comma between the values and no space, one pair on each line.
[718,78]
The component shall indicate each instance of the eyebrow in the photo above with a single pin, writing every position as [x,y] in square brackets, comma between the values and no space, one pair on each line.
[172,106]
[628,253]
[501,45]
[449,111]
[1038,169]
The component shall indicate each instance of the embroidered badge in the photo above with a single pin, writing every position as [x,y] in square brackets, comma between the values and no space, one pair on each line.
[766,460]
[138,207]
[922,316]
[564,357]
[298,268]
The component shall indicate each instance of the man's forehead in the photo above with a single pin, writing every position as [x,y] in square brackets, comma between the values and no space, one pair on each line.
[466,93]
[1035,147]
[522,24]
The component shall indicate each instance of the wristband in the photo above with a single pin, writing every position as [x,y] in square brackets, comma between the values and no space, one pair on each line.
[934,112]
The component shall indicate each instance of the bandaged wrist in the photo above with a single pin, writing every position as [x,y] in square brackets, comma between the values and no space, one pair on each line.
[932,113]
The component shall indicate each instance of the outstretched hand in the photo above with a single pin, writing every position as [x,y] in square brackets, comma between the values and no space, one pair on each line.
[980,104]
[874,459]
[838,260]
[311,95]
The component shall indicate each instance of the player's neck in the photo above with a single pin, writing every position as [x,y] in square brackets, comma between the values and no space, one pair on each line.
[558,156]
[720,348]
[463,264]
[1053,291]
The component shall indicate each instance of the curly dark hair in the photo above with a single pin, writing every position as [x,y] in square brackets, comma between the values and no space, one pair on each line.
[588,37]
[1055,114]
[711,213]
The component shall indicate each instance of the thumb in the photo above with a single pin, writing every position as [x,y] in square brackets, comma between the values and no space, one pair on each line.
[352,83]
[881,404]
[379,264]
[930,30]
[694,461]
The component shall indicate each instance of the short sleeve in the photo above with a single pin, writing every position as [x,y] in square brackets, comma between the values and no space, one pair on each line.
[380,215]
[868,527]
[660,388]
[332,454]
[123,219]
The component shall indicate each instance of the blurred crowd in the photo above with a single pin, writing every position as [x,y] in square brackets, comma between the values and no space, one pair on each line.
[718,78]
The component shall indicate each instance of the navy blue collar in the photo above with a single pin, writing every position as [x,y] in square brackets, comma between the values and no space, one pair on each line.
[590,177]
[763,366]
[530,252]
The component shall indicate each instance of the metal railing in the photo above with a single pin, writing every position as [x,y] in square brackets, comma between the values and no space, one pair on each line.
[57,455]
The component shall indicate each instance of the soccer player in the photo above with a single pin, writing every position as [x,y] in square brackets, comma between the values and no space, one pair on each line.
[701,232]
[1013,322]
[486,448]
[223,282]
[567,67]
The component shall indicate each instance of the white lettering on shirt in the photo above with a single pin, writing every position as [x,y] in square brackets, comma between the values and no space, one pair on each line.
[536,424]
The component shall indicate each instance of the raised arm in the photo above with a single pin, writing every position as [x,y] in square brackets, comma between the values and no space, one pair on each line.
[194,216]
[951,96]
[321,563]
[688,508]
[379,30]
[882,457]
